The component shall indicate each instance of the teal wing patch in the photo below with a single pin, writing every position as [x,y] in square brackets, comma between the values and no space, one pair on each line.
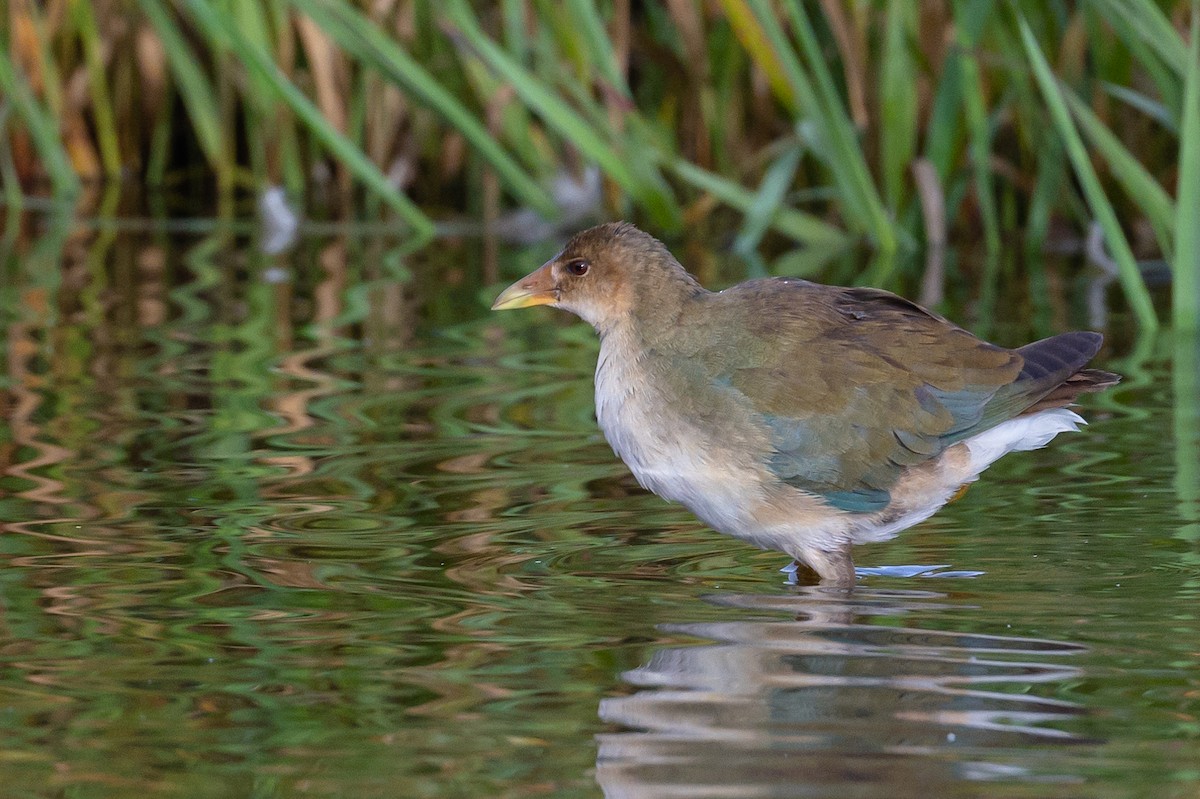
[852,457]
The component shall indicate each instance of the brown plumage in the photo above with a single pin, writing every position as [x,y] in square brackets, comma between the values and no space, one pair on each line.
[794,415]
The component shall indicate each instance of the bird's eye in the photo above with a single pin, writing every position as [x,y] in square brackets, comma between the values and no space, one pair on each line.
[578,267]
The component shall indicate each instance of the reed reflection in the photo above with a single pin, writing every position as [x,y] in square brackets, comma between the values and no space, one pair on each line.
[825,695]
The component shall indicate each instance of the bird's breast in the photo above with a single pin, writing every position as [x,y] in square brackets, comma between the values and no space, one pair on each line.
[649,415]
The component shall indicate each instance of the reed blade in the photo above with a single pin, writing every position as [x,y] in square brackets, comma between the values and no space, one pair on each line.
[1101,208]
[221,28]
[1186,296]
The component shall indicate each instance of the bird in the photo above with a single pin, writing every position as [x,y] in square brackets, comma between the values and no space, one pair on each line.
[796,416]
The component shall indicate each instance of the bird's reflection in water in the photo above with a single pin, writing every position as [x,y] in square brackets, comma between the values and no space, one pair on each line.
[817,694]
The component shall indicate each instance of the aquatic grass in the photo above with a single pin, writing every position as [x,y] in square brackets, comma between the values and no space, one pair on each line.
[980,149]
[363,39]
[898,101]
[800,226]
[942,129]
[1042,199]
[47,66]
[644,185]
[41,128]
[268,133]
[195,89]
[767,51]
[585,15]
[801,78]
[1146,22]
[1135,179]
[847,158]
[769,198]
[104,118]
[1186,296]
[9,182]
[683,108]
[218,27]
[1130,275]
[1143,104]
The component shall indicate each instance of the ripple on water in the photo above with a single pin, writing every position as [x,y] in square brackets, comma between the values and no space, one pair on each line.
[337,538]
[830,701]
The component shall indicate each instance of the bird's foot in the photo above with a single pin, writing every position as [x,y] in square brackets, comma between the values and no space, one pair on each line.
[834,567]
[790,570]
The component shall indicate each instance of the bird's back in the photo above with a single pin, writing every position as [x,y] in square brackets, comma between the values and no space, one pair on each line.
[850,386]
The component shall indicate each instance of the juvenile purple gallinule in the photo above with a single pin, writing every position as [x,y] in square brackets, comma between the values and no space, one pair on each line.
[796,416]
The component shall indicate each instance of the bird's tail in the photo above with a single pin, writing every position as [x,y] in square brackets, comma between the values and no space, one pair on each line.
[1059,361]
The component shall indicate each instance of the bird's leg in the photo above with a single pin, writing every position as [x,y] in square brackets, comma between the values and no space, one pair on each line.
[834,566]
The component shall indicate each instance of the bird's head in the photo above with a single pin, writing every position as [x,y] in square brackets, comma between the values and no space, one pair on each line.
[603,275]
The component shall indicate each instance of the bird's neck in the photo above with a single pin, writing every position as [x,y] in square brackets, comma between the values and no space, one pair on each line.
[656,308]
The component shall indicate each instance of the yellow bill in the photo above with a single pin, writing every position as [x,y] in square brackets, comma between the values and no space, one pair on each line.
[536,288]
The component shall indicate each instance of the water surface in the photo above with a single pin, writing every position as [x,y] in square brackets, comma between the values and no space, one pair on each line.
[318,524]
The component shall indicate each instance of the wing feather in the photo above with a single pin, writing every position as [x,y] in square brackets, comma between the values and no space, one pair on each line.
[855,385]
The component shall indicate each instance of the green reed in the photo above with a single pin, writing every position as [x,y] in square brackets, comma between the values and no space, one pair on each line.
[825,122]
[1186,305]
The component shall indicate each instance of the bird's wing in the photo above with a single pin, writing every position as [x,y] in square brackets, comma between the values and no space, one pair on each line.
[854,385]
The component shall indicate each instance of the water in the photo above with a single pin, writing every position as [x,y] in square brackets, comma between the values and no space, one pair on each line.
[318,524]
